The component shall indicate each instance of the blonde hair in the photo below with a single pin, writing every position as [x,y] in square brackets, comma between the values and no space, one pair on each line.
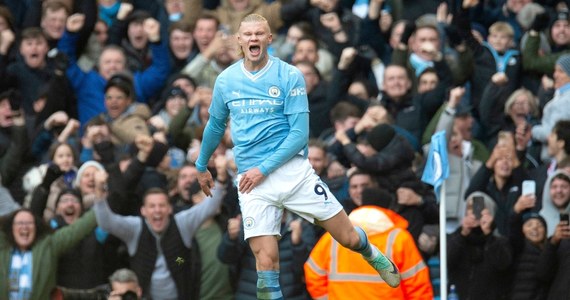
[502,27]
[531,100]
[251,18]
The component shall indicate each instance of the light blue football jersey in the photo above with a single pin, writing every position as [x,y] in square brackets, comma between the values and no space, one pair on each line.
[258,104]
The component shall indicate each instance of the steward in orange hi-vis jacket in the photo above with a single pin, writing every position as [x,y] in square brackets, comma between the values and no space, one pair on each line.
[334,272]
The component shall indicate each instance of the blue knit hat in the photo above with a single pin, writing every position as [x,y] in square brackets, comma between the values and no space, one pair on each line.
[564,62]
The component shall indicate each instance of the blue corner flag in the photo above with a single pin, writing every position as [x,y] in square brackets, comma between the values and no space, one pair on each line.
[436,169]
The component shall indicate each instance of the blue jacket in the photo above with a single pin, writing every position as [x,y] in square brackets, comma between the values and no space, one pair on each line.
[89,86]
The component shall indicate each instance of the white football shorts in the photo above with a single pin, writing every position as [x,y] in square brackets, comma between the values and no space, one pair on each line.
[294,186]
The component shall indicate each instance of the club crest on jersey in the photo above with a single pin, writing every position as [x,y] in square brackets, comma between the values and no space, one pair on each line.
[248,223]
[274,92]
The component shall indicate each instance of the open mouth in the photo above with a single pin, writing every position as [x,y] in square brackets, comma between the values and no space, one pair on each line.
[255,50]
[90,186]
[6,121]
[113,111]
[69,211]
[33,58]
[138,39]
[157,220]
[24,235]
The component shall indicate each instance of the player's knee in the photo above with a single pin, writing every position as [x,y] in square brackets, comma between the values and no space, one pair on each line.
[266,261]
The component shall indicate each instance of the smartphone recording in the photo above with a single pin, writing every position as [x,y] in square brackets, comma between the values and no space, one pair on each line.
[478,206]
[565,217]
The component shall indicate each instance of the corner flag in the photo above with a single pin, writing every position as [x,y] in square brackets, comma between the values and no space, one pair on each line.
[436,169]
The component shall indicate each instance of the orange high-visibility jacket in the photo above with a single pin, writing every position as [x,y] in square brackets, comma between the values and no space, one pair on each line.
[334,272]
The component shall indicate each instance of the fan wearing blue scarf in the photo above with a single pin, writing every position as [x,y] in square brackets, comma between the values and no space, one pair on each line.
[498,43]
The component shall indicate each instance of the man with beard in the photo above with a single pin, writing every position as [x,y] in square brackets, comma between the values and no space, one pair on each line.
[555,199]
[182,198]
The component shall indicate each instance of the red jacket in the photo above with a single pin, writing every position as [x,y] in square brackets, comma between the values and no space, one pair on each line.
[334,272]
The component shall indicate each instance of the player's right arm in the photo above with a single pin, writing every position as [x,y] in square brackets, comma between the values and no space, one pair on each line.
[213,134]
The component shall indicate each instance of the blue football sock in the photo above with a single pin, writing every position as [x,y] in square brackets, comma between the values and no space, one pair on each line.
[364,246]
[268,285]
[369,251]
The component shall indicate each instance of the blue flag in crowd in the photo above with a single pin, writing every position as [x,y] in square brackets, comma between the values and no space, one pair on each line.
[436,169]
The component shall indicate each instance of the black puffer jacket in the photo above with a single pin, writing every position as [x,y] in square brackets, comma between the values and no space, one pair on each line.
[394,161]
[554,266]
[526,284]
[479,265]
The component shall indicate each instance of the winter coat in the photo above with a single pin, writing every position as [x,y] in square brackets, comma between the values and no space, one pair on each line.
[554,267]
[90,86]
[45,255]
[335,272]
[479,265]
[534,61]
[526,285]
[394,161]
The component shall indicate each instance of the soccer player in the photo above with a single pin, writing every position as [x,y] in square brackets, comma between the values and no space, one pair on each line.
[266,101]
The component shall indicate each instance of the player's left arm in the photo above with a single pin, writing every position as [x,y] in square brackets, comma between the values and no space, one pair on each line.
[296,111]
[291,146]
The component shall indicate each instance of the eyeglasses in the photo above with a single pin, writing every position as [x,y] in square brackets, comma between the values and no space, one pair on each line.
[24,223]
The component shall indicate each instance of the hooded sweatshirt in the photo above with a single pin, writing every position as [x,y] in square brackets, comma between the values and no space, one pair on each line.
[550,212]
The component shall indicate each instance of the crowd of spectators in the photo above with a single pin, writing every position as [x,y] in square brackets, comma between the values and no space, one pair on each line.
[103,104]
